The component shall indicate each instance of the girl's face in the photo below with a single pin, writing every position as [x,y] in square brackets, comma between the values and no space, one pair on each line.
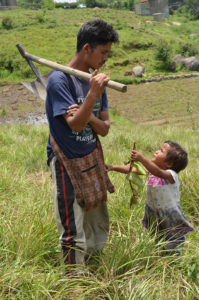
[160,156]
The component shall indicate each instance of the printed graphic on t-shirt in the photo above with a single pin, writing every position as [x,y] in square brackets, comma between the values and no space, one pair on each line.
[86,135]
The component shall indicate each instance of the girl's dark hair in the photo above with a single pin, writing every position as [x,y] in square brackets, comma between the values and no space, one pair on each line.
[96,32]
[177,156]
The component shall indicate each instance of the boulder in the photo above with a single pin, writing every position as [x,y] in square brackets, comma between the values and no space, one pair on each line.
[138,71]
[178,59]
[191,63]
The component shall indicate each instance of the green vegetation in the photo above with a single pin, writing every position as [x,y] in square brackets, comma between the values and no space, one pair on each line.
[163,54]
[192,7]
[133,266]
[52,34]
[169,102]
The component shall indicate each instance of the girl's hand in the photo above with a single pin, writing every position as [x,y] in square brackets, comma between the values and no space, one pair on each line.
[135,155]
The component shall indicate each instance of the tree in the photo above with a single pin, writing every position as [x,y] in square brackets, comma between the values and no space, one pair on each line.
[193,8]
[90,3]
[131,4]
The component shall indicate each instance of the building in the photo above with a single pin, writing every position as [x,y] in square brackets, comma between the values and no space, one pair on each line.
[8,3]
[153,8]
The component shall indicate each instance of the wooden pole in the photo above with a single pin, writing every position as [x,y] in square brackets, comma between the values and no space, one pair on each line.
[77,73]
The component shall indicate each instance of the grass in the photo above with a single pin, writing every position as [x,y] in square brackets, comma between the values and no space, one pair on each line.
[36,31]
[133,265]
[171,102]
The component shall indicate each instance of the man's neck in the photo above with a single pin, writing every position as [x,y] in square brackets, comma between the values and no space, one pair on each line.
[77,62]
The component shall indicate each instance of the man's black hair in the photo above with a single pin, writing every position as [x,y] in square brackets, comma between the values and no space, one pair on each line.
[96,32]
[177,155]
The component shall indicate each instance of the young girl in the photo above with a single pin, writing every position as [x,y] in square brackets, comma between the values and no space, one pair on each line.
[162,209]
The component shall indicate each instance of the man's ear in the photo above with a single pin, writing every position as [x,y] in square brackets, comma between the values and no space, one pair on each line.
[87,47]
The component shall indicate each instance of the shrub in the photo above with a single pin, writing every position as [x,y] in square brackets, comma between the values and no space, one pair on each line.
[40,17]
[188,49]
[7,23]
[163,53]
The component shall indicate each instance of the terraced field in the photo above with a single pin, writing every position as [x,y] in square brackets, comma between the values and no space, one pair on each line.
[171,102]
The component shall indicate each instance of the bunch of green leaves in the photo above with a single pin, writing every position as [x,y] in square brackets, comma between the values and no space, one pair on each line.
[135,180]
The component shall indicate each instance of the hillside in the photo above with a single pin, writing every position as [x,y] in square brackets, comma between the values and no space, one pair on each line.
[173,102]
[163,103]
[52,34]
[133,265]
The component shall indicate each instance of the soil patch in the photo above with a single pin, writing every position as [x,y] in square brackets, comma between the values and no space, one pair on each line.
[19,105]
[151,104]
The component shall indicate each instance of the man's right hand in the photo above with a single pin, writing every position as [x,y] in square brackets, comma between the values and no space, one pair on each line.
[98,83]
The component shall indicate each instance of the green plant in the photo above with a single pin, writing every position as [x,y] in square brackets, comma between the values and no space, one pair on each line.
[40,17]
[188,49]
[193,8]
[7,23]
[3,113]
[163,53]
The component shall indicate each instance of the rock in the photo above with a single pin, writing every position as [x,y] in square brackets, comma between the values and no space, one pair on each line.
[6,89]
[128,73]
[193,34]
[138,71]
[178,59]
[177,23]
[172,66]
[191,63]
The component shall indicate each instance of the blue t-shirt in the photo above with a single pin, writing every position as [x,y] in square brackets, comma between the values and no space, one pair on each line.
[62,91]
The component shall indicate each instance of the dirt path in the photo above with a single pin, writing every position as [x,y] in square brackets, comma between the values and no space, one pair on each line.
[17,104]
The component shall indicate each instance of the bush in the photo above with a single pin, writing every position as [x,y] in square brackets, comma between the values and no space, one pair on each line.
[7,23]
[163,54]
[40,17]
[188,49]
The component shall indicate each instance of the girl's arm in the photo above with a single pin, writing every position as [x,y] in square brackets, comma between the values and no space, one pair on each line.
[121,169]
[151,167]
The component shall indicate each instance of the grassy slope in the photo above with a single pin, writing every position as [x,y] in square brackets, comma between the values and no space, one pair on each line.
[170,102]
[52,35]
[132,267]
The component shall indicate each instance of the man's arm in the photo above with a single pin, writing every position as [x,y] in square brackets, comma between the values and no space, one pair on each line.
[100,125]
[82,116]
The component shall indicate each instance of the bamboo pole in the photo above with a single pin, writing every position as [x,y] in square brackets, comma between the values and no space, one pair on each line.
[77,73]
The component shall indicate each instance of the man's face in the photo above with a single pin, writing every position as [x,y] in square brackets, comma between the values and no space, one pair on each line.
[98,56]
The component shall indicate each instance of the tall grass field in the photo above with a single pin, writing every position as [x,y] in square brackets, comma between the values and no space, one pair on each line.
[133,265]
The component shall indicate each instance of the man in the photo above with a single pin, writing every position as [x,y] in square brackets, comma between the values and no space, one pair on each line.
[77,112]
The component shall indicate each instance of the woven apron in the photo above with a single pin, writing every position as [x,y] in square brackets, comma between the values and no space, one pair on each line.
[87,174]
